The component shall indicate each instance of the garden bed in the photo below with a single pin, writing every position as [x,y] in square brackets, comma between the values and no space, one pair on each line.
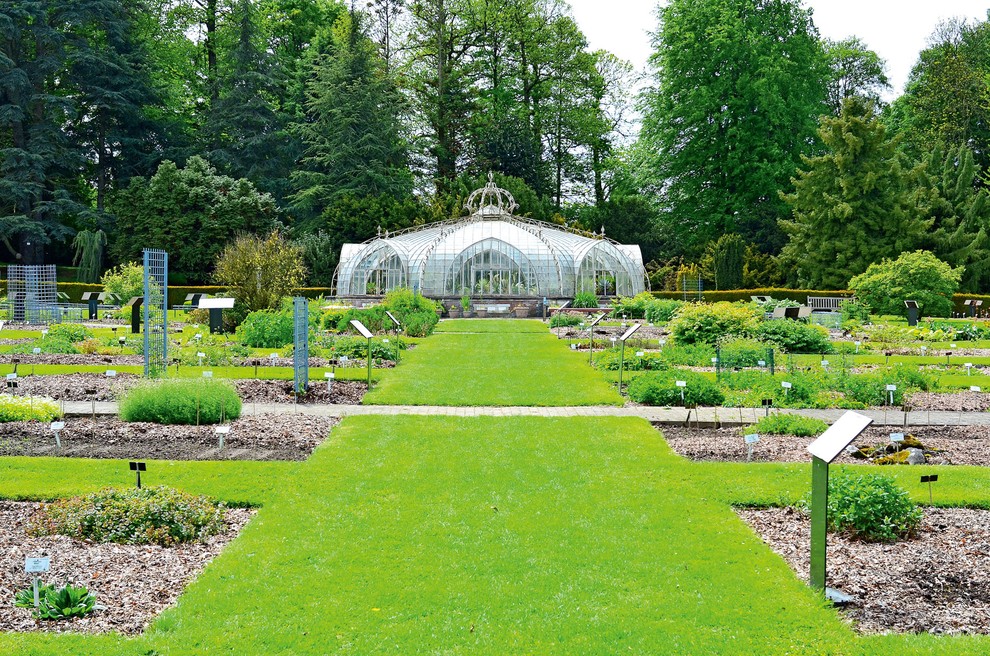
[954,445]
[134,582]
[938,582]
[256,437]
[74,387]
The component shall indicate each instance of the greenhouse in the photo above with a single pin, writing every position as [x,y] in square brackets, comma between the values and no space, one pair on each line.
[491,253]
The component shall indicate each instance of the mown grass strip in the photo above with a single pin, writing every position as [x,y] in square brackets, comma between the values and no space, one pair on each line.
[235,482]
[534,326]
[501,369]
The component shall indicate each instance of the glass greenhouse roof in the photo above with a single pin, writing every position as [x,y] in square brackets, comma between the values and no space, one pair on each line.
[491,253]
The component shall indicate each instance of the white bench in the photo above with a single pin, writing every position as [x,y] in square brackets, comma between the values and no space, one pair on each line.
[499,309]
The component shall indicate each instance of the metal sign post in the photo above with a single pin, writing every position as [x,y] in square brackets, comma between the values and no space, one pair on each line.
[138,467]
[37,566]
[622,350]
[358,326]
[930,479]
[824,450]
[591,335]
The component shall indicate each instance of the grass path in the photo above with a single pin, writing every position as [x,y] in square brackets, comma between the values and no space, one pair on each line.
[494,363]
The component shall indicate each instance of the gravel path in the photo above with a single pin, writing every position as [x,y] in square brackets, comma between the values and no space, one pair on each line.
[134,582]
[938,582]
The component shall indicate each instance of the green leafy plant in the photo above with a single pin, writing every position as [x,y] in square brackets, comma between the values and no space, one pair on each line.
[794,336]
[23,408]
[155,515]
[787,424]
[57,603]
[609,360]
[871,507]
[181,401]
[67,332]
[662,310]
[465,303]
[565,319]
[266,329]
[742,352]
[585,300]
[124,281]
[711,322]
[660,388]
[854,311]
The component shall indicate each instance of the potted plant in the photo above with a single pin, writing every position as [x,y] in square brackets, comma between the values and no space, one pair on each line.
[454,311]
[466,306]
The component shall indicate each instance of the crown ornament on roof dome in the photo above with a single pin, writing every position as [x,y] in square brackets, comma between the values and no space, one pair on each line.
[490,200]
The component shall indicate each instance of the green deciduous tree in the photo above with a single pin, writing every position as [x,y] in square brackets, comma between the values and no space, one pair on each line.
[854,70]
[915,276]
[737,88]
[191,213]
[854,204]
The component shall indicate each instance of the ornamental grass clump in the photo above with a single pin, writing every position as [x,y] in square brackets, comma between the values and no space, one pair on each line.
[871,507]
[188,401]
[156,515]
[28,408]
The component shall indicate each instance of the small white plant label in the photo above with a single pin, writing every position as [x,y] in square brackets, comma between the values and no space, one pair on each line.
[786,385]
[681,383]
[37,565]
[891,388]
[897,437]
[752,438]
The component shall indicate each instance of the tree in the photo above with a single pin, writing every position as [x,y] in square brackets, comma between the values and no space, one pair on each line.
[854,204]
[191,213]
[244,125]
[124,280]
[916,276]
[946,102]
[960,211]
[353,133]
[724,259]
[738,86]
[260,271]
[854,70]
[89,247]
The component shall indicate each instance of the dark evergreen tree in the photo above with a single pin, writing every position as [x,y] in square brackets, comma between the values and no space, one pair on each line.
[353,135]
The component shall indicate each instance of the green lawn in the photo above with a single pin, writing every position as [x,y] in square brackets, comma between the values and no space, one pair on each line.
[516,363]
[488,326]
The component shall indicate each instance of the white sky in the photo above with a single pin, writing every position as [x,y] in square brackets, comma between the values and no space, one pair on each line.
[897,30]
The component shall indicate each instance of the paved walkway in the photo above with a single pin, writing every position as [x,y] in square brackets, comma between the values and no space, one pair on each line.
[706,416]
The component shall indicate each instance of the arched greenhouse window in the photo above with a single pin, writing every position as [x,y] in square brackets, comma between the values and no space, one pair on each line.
[493,268]
[603,272]
[380,271]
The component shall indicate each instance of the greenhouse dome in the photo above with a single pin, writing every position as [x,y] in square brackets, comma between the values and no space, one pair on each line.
[491,253]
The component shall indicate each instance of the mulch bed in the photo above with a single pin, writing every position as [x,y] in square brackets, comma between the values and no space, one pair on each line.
[133,582]
[955,445]
[255,437]
[937,582]
[76,387]
[953,401]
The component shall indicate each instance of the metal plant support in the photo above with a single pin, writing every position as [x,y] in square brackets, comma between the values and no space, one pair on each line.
[155,312]
[32,293]
[300,354]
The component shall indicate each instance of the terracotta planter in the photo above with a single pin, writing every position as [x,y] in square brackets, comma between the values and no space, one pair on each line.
[521,312]
[481,313]
[454,312]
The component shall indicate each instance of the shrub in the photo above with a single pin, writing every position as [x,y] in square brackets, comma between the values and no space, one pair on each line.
[124,280]
[794,336]
[260,271]
[787,424]
[565,319]
[854,311]
[585,300]
[57,603]
[662,310]
[23,408]
[740,352]
[155,515]
[67,332]
[871,507]
[660,389]
[632,308]
[689,355]
[609,361]
[181,401]
[373,318]
[708,323]
[419,324]
[917,276]
[267,329]
[356,348]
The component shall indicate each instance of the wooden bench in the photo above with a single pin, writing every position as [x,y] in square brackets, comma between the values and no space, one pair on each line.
[826,303]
